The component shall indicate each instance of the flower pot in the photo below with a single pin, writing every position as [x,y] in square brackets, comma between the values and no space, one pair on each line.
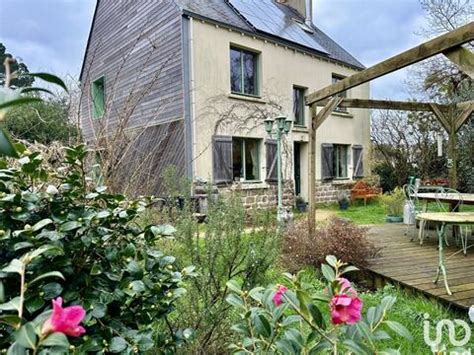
[394,219]
[343,205]
[301,206]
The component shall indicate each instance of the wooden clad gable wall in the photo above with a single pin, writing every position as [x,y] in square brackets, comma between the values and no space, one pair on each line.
[137,46]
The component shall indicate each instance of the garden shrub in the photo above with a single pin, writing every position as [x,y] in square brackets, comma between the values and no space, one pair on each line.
[339,237]
[223,249]
[110,264]
[291,319]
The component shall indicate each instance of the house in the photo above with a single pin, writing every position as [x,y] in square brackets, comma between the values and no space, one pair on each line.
[194,79]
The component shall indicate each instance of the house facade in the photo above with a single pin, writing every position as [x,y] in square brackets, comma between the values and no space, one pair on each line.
[213,71]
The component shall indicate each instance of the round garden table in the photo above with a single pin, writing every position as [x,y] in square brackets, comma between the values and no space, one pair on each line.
[442,219]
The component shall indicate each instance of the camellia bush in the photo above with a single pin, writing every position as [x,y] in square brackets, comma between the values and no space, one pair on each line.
[73,243]
[292,320]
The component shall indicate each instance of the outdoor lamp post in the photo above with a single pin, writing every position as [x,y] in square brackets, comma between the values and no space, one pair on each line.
[282,127]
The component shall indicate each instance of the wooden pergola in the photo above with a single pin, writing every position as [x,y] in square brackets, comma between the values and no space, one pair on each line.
[451,117]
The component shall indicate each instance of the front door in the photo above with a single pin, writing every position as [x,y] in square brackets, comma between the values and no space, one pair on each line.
[297,159]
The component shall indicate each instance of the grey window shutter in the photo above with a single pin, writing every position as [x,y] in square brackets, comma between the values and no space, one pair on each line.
[357,161]
[327,161]
[222,159]
[271,155]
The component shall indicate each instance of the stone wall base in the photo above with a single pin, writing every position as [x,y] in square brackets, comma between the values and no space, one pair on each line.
[258,196]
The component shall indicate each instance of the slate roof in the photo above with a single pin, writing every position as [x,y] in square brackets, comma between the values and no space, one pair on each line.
[222,12]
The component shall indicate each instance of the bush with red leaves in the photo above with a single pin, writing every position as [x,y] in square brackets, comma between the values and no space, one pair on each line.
[339,237]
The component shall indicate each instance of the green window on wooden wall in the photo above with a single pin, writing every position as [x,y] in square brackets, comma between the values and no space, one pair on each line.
[98,97]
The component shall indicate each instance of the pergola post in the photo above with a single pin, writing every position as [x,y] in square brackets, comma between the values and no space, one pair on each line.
[317,119]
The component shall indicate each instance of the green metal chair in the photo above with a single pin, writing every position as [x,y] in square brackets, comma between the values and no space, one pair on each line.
[411,192]
[444,194]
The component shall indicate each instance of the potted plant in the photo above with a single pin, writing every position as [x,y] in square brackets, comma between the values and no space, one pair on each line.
[394,203]
[343,200]
[300,204]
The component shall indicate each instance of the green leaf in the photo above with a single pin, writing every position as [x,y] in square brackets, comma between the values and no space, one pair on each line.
[317,316]
[356,348]
[328,272]
[399,329]
[262,325]
[103,214]
[349,269]
[12,305]
[99,310]
[117,344]
[16,349]
[388,302]
[331,260]
[15,266]
[52,290]
[235,301]
[43,249]
[46,275]
[163,230]
[11,319]
[39,225]
[35,89]
[364,331]
[26,336]
[7,148]
[2,292]
[69,226]
[50,78]
[233,286]
[56,339]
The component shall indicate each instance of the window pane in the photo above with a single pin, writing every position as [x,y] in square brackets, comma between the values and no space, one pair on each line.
[235,71]
[250,73]
[343,94]
[237,159]
[298,105]
[251,159]
[340,161]
[98,98]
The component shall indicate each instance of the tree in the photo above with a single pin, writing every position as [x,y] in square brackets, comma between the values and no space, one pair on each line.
[44,121]
[23,79]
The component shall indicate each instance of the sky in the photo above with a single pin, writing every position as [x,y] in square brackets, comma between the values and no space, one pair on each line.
[51,35]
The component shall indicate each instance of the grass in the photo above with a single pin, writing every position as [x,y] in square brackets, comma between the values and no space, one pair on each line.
[372,213]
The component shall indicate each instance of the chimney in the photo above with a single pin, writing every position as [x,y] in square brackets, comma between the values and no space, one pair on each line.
[304,7]
[308,16]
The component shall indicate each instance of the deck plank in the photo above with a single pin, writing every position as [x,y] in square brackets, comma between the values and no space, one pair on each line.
[413,265]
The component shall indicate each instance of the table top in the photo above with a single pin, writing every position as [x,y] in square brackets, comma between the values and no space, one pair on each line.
[467,199]
[448,217]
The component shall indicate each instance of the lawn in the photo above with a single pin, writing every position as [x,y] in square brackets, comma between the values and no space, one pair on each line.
[372,213]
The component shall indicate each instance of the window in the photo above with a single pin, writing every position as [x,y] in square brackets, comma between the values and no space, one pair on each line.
[298,105]
[340,161]
[334,161]
[98,97]
[243,72]
[245,160]
[335,79]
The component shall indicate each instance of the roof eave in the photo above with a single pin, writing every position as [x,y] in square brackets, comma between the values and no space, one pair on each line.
[88,40]
[273,38]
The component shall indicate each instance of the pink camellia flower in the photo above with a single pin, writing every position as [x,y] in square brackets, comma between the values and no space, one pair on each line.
[65,320]
[345,309]
[346,287]
[279,294]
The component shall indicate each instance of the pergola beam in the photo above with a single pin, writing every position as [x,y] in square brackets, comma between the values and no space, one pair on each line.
[440,44]
[384,105]
[463,58]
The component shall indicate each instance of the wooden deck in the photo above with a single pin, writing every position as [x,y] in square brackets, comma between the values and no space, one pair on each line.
[409,264]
